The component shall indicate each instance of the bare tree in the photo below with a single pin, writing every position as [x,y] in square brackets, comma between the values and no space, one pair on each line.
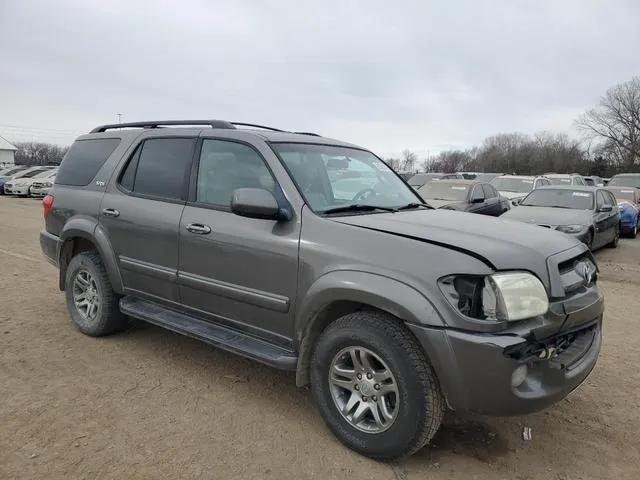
[409,160]
[394,163]
[616,121]
[35,153]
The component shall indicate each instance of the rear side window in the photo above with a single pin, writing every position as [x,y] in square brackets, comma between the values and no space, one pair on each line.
[160,168]
[84,159]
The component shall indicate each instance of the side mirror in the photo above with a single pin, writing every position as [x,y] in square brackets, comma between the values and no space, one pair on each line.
[477,198]
[255,203]
[605,208]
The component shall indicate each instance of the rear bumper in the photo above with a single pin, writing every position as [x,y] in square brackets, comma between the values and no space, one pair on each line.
[507,374]
[49,245]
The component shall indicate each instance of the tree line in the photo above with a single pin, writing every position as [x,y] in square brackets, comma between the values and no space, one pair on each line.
[38,153]
[609,143]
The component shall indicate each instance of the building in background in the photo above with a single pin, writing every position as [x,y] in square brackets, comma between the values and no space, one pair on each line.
[7,152]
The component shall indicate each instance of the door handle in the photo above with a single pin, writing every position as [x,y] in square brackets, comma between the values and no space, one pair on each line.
[199,228]
[110,212]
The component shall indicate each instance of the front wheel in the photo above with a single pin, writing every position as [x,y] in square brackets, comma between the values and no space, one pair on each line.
[374,386]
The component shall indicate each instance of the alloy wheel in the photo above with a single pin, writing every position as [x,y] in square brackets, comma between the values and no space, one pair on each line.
[86,296]
[364,390]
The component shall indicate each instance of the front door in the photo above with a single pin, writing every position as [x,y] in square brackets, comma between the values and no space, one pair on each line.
[141,213]
[236,270]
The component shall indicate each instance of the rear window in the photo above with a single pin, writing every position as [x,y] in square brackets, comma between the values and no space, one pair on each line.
[84,159]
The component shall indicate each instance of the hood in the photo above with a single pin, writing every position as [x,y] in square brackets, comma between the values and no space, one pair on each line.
[512,195]
[549,216]
[501,244]
[442,203]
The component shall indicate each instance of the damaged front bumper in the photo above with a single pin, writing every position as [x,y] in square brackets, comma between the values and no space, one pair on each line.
[520,371]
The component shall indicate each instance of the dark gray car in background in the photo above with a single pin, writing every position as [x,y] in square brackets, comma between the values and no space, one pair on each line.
[465,196]
[391,311]
[586,213]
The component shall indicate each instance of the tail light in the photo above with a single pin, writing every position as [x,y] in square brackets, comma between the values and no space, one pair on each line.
[47,203]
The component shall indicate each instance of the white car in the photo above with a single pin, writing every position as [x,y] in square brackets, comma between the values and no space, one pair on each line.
[20,183]
[516,187]
[41,186]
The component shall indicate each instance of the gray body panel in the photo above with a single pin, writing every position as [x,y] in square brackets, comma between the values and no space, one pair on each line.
[267,288]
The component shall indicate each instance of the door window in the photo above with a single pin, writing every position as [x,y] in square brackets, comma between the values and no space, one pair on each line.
[225,166]
[489,191]
[160,168]
[478,192]
[600,200]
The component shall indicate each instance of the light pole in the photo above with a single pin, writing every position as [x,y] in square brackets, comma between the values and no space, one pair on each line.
[119,117]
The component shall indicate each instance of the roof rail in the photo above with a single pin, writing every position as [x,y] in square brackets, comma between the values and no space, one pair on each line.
[158,124]
[307,133]
[254,125]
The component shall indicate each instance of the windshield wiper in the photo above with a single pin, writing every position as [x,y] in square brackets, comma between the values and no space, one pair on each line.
[561,206]
[409,206]
[358,207]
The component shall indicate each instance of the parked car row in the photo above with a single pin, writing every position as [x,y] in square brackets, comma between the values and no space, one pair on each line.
[25,181]
[576,205]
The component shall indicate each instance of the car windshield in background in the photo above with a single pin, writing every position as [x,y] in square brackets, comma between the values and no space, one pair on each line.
[421,178]
[33,173]
[515,185]
[560,180]
[445,191]
[330,176]
[559,198]
[624,194]
[627,181]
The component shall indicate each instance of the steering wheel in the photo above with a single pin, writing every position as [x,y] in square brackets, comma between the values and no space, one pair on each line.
[361,194]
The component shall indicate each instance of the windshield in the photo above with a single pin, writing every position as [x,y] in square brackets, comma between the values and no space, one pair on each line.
[422,178]
[624,194]
[444,191]
[30,173]
[627,181]
[331,176]
[510,184]
[560,180]
[555,197]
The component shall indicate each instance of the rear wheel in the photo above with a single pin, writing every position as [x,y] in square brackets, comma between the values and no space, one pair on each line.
[92,303]
[374,386]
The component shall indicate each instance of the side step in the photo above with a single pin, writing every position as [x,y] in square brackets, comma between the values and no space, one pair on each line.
[217,335]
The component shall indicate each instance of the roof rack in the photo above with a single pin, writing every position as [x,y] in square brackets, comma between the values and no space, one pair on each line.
[307,133]
[254,125]
[158,124]
[211,123]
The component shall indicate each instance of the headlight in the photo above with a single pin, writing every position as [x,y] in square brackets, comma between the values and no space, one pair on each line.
[500,297]
[47,184]
[570,228]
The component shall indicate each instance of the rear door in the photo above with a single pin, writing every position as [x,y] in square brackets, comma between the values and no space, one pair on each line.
[141,211]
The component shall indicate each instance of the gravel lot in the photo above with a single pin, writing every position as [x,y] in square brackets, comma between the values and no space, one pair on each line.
[152,404]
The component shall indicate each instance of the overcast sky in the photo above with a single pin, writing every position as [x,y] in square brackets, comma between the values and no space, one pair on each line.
[388,75]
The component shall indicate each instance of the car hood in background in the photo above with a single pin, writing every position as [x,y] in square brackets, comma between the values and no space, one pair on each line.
[500,243]
[550,216]
[512,195]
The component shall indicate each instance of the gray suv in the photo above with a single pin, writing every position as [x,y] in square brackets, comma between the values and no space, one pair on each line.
[390,310]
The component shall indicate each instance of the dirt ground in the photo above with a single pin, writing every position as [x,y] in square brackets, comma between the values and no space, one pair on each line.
[152,404]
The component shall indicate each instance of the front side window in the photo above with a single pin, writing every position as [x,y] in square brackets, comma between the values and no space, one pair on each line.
[332,176]
[225,166]
[559,198]
[489,191]
[160,168]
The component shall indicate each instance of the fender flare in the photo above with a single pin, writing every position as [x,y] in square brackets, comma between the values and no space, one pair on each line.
[88,229]
[375,290]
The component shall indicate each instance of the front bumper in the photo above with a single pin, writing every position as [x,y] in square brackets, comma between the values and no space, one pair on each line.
[476,371]
[39,191]
[16,189]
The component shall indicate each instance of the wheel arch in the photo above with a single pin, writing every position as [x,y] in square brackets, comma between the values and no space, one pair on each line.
[342,292]
[82,235]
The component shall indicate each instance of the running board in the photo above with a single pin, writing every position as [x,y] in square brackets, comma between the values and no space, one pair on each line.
[217,335]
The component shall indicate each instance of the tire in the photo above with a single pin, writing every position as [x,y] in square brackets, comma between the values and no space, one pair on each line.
[633,233]
[616,239]
[419,403]
[87,269]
